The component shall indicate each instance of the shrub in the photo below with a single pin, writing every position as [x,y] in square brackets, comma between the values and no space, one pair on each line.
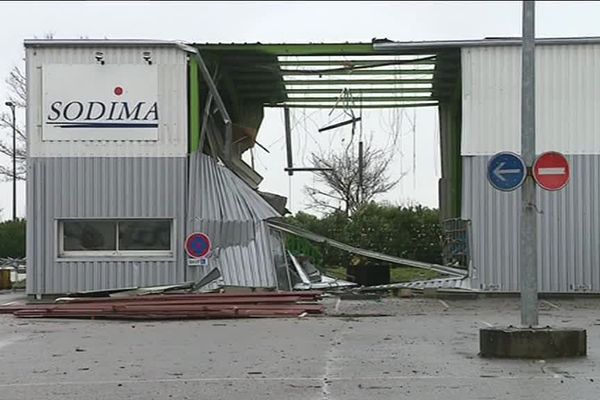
[12,239]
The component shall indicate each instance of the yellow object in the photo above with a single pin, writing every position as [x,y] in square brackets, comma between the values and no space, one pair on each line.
[5,282]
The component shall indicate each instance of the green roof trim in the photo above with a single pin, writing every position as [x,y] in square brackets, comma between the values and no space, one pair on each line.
[194,105]
[293,49]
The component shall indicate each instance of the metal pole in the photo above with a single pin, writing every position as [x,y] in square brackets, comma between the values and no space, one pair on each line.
[528,256]
[14,160]
[288,141]
[12,107]
[360,172]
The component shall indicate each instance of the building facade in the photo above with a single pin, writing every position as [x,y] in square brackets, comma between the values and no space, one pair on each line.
[567,121]
[113,188]
[132,146]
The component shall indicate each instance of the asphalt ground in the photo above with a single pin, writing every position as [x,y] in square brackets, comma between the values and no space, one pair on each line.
[423,349]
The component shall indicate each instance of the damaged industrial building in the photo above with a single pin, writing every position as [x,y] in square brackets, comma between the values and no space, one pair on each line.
[136,145]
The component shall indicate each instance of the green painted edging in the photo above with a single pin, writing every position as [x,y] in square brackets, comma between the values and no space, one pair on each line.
[457,153]
[294,49]
[194,105]
[457,163]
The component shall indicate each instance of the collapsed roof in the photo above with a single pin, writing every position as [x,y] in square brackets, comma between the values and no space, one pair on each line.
[335,75]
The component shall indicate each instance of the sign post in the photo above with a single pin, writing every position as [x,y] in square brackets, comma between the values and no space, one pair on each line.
[551,172]
[528,251]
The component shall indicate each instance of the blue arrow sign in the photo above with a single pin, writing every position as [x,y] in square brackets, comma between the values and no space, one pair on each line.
[506,171]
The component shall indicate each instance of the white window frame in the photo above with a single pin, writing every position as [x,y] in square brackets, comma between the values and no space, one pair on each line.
[113,253]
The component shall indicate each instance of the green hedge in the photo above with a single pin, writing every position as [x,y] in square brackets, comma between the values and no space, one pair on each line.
[409,232]
[12,239]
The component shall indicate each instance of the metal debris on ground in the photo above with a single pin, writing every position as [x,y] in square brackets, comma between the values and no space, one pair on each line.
[280,225]
[177,306]
[311,278]
[454,284]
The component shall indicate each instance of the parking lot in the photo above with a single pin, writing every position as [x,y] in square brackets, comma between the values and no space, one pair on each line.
[417,348]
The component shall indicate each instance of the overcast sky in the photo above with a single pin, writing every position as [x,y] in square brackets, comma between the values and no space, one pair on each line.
[293,22]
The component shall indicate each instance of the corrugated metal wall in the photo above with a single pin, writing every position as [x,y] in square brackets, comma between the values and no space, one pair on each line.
[105,179]
[225,208]
[568,229]
[567,120]
[100,187]
[490,100]
[567,99]
[172,98]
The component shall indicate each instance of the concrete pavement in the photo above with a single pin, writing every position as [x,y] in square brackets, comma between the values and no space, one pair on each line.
[427,349]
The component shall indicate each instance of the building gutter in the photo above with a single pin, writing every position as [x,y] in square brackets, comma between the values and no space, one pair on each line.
[102,42]
[388,46]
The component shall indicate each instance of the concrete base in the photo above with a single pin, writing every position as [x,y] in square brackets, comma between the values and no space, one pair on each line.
[540,343]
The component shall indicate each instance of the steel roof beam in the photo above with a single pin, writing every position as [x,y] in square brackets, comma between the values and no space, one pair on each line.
[316,63]
[353,91]
[350,82]
[382,72]
[358,90]
[359,99]
[245,62]
[371,105]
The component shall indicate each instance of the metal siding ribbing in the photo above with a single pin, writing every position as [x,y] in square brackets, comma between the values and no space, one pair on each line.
[231,214]
[568,229]
[490,92]
[172,97]
[101,187]
[567,99]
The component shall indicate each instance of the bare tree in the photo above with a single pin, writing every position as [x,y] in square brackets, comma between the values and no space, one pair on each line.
[17,93]
[341,182]
[16,83]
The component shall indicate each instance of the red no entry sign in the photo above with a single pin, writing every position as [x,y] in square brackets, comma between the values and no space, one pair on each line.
[551,171]
[197,245]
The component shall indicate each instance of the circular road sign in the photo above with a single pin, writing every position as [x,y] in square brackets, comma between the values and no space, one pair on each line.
[551,171]
[506,171]
[197,245]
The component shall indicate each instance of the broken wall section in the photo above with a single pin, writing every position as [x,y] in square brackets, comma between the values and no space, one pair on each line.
[245,249]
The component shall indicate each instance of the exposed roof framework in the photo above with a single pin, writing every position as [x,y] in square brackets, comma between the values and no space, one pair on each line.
[337,75]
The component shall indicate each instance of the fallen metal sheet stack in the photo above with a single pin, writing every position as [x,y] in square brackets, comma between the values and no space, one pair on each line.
[177,306]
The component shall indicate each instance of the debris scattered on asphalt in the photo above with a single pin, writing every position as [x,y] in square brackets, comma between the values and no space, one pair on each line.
[177,306]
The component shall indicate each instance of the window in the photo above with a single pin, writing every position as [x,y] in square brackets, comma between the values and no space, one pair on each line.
[115,237]
[89,235]
[145,235]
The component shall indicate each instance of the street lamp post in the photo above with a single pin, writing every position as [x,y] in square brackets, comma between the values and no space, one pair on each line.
[11,105]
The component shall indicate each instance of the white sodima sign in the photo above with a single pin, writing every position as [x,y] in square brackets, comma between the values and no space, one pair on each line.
[100,102]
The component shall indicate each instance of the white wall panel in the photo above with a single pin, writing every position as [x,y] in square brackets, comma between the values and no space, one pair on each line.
[171,63]
[567,99]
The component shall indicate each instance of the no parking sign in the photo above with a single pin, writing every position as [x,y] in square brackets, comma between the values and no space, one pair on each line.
[197,245]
